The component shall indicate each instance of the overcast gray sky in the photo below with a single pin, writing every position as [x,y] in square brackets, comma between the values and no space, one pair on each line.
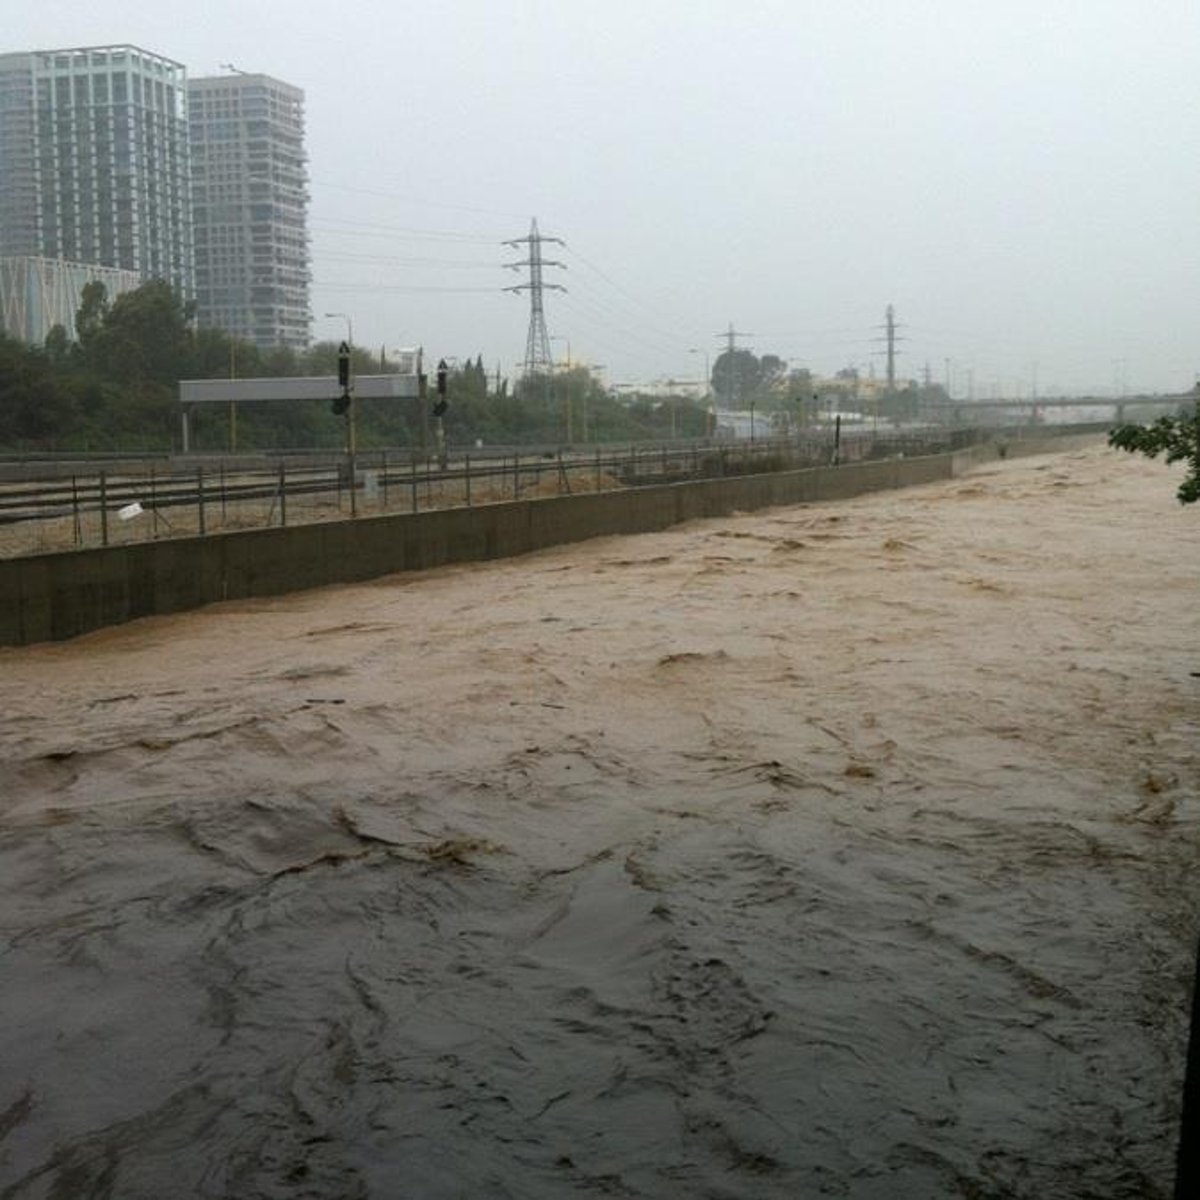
[1020,179]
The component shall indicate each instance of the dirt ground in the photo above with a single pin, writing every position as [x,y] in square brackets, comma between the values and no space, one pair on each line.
[846,849]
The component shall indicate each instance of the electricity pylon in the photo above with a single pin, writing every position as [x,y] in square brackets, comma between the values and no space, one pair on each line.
[891,337]
[537,344]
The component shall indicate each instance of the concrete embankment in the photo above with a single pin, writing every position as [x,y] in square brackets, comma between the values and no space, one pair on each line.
[49,597]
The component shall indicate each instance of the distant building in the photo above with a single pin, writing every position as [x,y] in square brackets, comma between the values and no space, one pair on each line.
[114,167]
[250,208]
[94,172]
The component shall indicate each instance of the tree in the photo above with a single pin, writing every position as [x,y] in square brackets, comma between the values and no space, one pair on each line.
[1178,438]
[774,369]
[321,358]
[58,346]
[33,409]
[146,335]
[736,376]
[89,320]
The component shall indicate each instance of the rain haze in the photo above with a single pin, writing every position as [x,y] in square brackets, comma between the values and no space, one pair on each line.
[1018,180]
[677,820]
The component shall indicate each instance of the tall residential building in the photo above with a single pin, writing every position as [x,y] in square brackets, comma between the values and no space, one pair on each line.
[94,162]
[250,208]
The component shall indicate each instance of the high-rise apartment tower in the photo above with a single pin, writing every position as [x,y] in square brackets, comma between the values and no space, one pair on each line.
[250,207]
[94,164]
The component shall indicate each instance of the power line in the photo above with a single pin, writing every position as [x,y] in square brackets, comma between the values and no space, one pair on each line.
[344,227]
[674,336]
[628,334]
[812,333]
[397,261]
[396,287]
[408,198]
[603,311]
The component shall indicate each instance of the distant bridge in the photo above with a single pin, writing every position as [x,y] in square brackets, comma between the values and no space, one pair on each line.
[1117,406]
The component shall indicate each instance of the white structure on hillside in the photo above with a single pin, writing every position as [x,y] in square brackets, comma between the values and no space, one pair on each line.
[38,293]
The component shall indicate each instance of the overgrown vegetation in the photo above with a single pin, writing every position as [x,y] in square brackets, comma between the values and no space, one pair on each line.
[112,384]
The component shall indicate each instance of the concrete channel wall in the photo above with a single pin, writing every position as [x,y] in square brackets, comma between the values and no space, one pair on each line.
[49,597]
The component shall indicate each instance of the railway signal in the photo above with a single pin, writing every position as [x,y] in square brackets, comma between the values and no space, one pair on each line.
[341,405]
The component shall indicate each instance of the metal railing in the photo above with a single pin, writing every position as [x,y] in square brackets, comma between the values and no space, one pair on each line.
[180,498]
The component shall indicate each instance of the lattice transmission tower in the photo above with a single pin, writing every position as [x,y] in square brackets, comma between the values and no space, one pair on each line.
[537,344]
[891,336]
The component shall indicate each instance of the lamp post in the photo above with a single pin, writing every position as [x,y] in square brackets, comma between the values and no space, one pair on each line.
[583,400]
[712,422]
[559,338]
[695,350]
[349,327]
[351,413]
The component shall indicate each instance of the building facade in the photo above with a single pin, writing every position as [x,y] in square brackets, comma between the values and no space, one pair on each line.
[250,208]
[95,167]
[38,293]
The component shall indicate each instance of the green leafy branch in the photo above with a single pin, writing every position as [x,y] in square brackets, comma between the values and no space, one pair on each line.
[1178,438]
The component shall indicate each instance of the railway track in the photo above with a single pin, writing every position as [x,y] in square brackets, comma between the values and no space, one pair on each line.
[206,487]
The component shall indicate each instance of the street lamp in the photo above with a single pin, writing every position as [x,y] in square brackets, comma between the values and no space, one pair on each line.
[559,338]
[591,372]
[349,327]
[695,350]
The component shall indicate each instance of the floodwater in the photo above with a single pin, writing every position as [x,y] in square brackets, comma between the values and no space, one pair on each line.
[846,849]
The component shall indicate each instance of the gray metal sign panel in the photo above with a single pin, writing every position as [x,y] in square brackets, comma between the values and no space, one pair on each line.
[305,387]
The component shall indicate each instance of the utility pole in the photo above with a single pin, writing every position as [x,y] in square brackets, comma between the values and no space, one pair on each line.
[537,343]
[891,337]
[232,403]
[566,389]
[587,383]
[891,350]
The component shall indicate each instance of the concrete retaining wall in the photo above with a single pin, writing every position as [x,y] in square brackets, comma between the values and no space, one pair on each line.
[49,597]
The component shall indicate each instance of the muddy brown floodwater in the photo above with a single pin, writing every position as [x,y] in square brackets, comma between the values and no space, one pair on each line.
[846,849]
